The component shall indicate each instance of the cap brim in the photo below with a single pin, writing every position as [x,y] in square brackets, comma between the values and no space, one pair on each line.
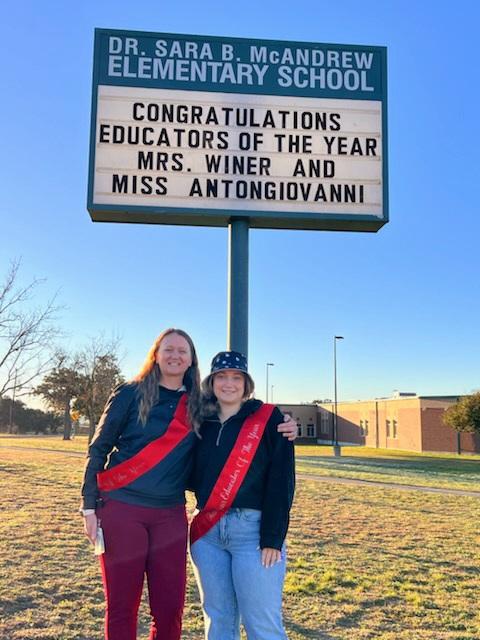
[247,375]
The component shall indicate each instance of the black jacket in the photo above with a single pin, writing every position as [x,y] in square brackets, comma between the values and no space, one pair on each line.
[120,435]
[270,481]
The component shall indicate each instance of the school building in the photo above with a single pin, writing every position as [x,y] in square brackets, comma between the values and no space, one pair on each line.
[405,421]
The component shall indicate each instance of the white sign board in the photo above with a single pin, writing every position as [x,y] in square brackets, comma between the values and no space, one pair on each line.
[190,156]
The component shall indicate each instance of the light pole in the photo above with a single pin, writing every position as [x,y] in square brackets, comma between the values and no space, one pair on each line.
[336,448]
[271,393]
[268,364]
[10,421]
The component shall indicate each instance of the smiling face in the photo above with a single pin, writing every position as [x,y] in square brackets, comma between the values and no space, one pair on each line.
[229,387]
[173,357]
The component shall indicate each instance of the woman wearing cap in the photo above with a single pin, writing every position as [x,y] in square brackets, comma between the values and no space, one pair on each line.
[244,483]
[138,465]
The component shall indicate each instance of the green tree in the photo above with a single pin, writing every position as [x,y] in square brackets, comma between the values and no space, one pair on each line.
[464,415]
[24,419]
[10,410]
[58,389]
[83,382]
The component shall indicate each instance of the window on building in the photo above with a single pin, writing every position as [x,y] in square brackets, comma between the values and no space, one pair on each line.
[324,423]
[394,428]
[364,427]
[387,424]
[310,430]
[299,427]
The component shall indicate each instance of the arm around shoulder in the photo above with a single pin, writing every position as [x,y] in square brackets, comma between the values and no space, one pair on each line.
[280,487]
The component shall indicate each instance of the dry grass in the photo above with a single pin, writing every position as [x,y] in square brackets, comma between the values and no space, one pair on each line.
[363,463]
[365,563]
[78,444]
[448,471]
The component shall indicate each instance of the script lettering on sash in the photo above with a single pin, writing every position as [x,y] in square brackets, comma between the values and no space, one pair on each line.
[246,448]
[253,435]
[228,489]
[232,475]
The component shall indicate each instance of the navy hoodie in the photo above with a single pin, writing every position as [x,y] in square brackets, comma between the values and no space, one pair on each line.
[120,435]
[270,481]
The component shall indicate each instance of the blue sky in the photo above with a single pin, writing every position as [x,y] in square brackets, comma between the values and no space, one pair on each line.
[406,298]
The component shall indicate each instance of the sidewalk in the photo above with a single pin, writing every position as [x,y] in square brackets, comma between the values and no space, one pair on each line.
[388,485]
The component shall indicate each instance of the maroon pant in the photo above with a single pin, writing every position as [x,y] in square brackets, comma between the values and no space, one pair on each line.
[143,541]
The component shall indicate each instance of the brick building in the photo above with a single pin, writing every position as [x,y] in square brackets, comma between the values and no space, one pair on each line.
[405,421]
[306,417]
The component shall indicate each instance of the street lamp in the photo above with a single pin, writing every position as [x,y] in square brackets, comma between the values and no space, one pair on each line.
[268,364]
[12,404]
[271,393]
[336,448]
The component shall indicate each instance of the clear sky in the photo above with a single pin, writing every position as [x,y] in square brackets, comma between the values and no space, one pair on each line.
[406,299]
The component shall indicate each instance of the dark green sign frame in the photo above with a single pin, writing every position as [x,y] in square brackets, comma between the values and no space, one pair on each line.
[117,71]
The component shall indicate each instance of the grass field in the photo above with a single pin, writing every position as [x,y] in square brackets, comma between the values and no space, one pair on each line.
[362,463]
[364,562]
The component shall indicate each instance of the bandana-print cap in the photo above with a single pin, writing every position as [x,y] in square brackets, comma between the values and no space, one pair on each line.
[229,360]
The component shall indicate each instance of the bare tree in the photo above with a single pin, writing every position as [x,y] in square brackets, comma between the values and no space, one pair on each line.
[27,334]
[98,364]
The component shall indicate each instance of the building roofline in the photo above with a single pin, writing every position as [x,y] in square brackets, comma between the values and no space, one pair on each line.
[297,404]
[395,398]
[453,397]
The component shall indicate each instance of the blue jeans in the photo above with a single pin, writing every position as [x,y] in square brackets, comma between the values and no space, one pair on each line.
[232,582]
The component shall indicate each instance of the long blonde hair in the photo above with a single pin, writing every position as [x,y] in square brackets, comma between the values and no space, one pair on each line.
[149,376]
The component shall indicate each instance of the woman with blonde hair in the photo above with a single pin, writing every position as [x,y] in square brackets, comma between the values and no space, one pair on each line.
[138,465]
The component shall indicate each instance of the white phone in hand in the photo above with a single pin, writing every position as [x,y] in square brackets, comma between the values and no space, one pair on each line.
[99,542]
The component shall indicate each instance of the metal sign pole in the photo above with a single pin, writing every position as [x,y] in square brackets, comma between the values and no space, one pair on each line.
[237,302]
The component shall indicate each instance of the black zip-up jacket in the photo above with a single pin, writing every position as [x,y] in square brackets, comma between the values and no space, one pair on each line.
[270,481]
[120,435]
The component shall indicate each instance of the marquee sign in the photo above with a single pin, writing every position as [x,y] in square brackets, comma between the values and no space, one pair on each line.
[196,130]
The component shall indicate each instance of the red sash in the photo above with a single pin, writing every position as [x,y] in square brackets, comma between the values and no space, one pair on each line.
[131,469]
[233,473]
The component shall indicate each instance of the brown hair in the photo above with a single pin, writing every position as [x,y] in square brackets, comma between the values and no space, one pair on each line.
[148,379]
[209,402]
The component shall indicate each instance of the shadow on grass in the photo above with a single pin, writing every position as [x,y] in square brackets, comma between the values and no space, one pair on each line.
[16,605]
[308,632]
[14,468]
[354,619]
[435,564]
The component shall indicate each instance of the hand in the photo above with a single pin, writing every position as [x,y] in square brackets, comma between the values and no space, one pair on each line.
[90,524]
[270,557]
[288,428]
